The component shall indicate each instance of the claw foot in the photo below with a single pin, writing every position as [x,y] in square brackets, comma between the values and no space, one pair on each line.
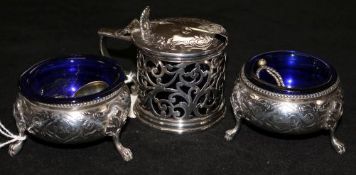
[15,148]
[126,153]
[338,145]
[229,134]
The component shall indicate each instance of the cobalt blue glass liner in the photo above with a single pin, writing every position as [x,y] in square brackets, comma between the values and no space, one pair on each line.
[54,81]
[301,73]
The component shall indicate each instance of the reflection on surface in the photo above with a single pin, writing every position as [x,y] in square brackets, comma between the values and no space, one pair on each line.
[298,71]
[70,77]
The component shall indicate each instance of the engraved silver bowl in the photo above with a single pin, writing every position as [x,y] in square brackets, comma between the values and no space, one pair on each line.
[70,100]
[288,92]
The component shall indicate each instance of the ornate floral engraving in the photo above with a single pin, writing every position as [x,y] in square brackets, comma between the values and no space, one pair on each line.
[182,34]
[182,90]
[178,42]
[297,114]
[80,124]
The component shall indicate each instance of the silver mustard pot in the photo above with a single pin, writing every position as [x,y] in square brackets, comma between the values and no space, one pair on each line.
[180,71]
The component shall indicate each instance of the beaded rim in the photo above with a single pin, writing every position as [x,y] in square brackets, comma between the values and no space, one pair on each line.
[81,104]
[279,95]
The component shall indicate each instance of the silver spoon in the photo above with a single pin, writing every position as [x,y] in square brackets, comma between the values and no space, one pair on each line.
[91,88]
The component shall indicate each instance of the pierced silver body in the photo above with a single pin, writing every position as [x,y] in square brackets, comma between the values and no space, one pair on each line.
[193,94]
[74,123]
[287,114]
[180,71]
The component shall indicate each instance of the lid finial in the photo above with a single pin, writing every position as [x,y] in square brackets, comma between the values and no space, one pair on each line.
[145,24]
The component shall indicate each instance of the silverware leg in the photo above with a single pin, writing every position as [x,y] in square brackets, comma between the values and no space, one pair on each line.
[125,152]
[229,134]
[336,143]
[15,148]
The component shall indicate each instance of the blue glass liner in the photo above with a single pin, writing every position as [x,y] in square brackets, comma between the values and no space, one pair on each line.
[301,73]
[55,81]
